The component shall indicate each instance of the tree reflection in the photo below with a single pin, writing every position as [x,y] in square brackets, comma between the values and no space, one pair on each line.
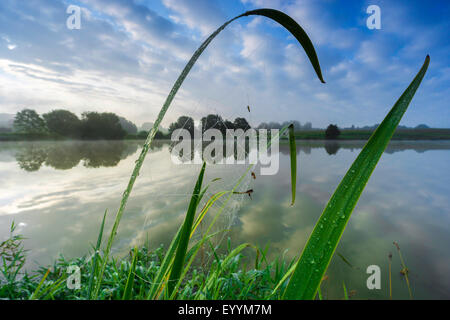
[332,147]
[31,159]
[66,155]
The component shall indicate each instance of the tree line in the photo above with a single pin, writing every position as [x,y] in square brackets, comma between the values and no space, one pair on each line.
[63,123]
[211,121]
[109,126]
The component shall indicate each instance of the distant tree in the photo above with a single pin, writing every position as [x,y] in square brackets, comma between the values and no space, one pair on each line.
[422,126]
[160,135]
[241,123]
[128,126]
[183,122]
[228,124]
[105,125]
[62,122]
[29,121]
[213,121]
[332,132]
[142,134]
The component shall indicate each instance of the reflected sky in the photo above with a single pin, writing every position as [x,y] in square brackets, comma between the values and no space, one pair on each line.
[57,192]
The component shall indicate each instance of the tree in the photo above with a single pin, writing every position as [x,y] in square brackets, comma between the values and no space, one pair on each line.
[332,132]
[229,125]
[62,122]
[213,121]
[241,123]
[105,125]
[128,126]
[29,121]
[183,122]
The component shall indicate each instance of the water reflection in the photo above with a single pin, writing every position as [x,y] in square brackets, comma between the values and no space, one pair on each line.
[332,147]
[31,156]
[406,201]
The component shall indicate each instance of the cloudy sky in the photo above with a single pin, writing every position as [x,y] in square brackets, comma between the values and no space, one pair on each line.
[127,55]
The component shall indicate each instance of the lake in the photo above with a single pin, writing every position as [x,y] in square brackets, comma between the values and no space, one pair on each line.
[57,192]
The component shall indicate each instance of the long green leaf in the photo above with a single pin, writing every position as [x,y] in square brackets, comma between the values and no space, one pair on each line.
[325,237]
[36,294]
[130,280]
[186,233]
[96,254]
[278,16]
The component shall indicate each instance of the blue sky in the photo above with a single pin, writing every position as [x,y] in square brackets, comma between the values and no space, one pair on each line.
[127,55]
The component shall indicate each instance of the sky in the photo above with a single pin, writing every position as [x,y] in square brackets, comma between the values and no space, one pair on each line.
[127,55]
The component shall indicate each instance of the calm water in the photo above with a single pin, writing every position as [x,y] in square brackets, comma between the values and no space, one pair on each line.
[57,193]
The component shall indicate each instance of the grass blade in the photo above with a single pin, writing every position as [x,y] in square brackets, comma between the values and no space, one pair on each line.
[293,153]
[37,292]
[405,270]
[96,254]
[185,233]
[327,232]
[345,291]
[130,280]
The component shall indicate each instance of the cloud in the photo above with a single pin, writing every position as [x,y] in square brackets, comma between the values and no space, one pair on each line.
[127,55]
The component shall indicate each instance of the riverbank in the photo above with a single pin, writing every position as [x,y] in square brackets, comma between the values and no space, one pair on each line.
[402,134]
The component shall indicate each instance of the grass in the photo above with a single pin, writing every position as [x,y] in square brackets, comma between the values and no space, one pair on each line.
[173,275]
[234,273]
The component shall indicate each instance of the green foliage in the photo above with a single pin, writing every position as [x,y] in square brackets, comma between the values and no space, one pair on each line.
[12,256]
[130,277]
[29,121]
[183,122]
[62,122]
[213,121]
[332,132]
[128,126]
[104,125]
[240,123]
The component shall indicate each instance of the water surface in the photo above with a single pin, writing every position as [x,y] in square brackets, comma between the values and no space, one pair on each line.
[57,192]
